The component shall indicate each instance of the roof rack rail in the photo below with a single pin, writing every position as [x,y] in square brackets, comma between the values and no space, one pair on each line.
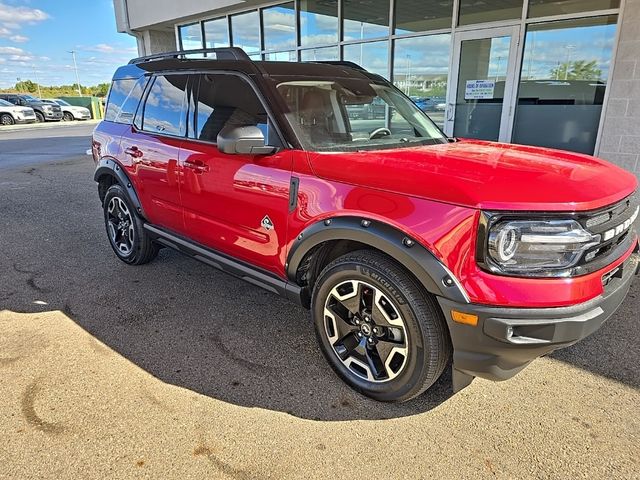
[222,53]
[342,63]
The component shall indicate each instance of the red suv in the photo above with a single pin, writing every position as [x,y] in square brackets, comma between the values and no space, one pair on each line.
[410,248]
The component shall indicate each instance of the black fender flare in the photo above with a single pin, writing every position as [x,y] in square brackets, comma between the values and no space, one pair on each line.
[430,272]
[109,166]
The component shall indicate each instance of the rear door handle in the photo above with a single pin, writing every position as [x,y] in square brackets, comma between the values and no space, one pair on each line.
[134,151]
[198,166]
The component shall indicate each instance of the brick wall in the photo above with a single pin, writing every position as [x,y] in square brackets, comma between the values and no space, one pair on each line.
[620,142]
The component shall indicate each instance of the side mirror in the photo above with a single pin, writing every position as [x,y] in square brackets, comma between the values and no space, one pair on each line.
[243,141]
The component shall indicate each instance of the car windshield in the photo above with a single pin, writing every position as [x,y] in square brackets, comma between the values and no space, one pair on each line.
[354,114]
[30,98]
[62,103]
[4,103]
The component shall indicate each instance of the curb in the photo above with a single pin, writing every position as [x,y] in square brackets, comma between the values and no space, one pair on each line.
[46,125]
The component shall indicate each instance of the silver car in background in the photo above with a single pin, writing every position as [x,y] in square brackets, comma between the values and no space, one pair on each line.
[70,112]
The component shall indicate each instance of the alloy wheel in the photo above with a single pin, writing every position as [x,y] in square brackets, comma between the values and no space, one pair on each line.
[120,225]
[366,331]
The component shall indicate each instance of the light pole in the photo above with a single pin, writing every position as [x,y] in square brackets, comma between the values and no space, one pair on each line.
[75,66]
[35,74]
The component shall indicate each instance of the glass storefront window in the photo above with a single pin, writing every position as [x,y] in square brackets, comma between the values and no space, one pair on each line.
[245,31]
[318,22]
[279,27]
[474,11]
[281,56]
[422,15]
[543,8]
[564,76]
[364,19]
[320,54]
[190,36]
[373,56]
[216,33]
[482,61]
[421,71]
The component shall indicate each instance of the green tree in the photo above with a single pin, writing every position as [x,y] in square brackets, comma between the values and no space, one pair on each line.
[27,86]
[577,70]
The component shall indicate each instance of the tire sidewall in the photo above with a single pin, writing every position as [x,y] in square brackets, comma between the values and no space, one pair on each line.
[118,191]
[67,117]
[402,385]
[39,117]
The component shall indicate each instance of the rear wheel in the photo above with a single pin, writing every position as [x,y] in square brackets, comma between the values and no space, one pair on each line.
[125,229]
[379,330]
[6,119]
[39,117]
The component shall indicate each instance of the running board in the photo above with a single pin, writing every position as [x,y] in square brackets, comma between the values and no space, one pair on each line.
[228,265]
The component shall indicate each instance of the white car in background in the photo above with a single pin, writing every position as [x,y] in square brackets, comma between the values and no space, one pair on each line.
[70,112]
[11,114]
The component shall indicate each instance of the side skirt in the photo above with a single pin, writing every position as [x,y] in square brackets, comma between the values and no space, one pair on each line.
[222,262]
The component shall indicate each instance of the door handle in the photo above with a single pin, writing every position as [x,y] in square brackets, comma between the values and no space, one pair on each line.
[198,166]
[134,151]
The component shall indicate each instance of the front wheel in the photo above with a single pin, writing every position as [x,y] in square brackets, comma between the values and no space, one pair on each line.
[381,332]
[6,119]
[39,117]
[125,229]
[67,117]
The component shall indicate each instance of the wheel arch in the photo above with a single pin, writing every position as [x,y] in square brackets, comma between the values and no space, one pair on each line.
[108,172]
[323,241]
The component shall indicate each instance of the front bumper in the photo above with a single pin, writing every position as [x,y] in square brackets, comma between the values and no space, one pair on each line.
[505,340]
[52,116]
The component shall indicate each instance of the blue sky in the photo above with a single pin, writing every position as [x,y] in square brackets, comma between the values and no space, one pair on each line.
[36,35]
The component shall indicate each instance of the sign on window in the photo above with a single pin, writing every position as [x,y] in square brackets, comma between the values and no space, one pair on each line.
[479,89]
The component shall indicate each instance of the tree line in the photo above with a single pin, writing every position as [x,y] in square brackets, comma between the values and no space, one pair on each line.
[30,87]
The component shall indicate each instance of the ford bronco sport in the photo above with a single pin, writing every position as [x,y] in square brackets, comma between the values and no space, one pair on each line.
[409,248]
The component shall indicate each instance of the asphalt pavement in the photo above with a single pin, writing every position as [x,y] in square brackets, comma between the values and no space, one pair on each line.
[176,370]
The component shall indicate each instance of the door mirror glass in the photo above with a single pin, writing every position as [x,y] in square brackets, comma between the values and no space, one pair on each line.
[248,140]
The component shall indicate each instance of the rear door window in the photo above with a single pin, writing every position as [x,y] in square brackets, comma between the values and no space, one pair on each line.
[124,97]
[165,106]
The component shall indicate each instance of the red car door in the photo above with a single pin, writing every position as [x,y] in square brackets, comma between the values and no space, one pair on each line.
[235,204]
[153,149]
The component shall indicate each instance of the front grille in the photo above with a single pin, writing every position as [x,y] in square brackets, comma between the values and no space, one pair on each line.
[615,240]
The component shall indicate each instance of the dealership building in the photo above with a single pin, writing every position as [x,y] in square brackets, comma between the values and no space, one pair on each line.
[555,73]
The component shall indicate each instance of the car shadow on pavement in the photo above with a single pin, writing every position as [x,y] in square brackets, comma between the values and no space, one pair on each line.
[192,326]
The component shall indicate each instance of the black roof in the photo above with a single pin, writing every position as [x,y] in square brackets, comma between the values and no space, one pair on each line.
[234,59]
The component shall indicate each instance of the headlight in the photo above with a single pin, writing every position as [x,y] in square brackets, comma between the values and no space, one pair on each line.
[542,248]
[47,107]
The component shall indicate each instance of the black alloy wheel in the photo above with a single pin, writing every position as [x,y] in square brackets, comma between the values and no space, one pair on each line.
[380,331]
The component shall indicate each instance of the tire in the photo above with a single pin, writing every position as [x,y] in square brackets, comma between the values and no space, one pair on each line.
[39,117]
[68,117]
[6,119]
[125,229]
[391,353]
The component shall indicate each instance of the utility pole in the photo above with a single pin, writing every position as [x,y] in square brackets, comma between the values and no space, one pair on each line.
[35,74]
[75,66]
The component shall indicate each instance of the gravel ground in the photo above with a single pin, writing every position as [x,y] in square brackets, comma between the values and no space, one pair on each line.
[175,370]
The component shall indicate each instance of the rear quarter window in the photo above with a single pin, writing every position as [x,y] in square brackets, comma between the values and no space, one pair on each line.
[123,100]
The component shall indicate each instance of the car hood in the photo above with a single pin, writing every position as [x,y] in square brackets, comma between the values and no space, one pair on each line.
[486,175]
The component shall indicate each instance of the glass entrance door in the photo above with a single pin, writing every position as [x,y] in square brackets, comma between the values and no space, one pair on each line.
[481,98]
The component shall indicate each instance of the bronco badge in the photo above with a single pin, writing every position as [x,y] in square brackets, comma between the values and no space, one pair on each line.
[266,223]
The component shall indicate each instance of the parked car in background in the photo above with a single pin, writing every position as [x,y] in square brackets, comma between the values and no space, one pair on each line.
[70,112]
[45,112]
[11,114]
[430,104]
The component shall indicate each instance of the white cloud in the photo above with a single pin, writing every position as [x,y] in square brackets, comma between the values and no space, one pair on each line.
[19,38]
[17,15]
[11,51]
